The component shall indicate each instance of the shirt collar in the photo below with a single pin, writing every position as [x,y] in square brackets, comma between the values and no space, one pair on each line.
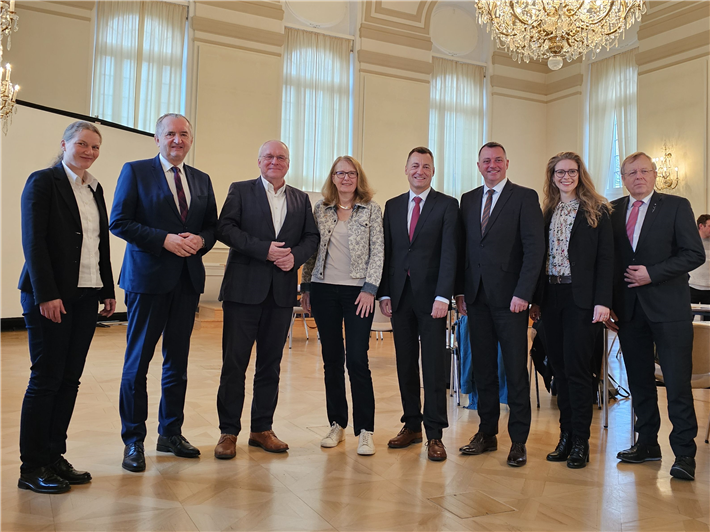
[498,188]
[88,178]
[167,165]
[270,188]
[423,195]
[644,200]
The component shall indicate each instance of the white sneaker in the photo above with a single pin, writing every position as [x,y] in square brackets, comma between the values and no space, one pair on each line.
[365,444]
[334,437]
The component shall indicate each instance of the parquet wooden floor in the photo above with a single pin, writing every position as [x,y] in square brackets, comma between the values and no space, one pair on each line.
[311,488]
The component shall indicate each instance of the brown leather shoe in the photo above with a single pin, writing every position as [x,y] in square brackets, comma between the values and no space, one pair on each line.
[436,451]
[268,441]
[479,444]
[518,456]
[405,438]
[226,448]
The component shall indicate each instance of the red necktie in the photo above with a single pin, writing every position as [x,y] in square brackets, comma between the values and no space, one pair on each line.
[487,210]
[415,217]
[182,201]
[631,222]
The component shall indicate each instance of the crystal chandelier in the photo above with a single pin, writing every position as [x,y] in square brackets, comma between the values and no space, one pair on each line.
[557,29]
[667,174]
[8,95]
[8,22]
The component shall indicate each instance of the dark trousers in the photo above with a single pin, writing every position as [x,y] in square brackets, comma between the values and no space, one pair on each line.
[487,327]
[700,296]
[150,315]
[266,324]
[674,346]
[570,336]
[58,353]
[409,326]
[333,304]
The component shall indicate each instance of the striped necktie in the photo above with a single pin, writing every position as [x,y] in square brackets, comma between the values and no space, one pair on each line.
[487,210]
[182,201]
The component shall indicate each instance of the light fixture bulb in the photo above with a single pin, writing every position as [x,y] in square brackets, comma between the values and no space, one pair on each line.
[555,62]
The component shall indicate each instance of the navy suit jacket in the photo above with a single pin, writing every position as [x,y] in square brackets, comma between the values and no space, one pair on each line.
[144,212]
[52,238]
[429,259]
[246,226]
[508,257]
[669,246]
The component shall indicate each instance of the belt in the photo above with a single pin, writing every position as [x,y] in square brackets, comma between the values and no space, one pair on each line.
[559,279]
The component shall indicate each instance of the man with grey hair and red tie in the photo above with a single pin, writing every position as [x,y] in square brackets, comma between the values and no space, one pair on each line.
[656,244]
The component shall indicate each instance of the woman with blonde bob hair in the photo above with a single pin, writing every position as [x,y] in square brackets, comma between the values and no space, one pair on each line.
[574,294]
[339,284]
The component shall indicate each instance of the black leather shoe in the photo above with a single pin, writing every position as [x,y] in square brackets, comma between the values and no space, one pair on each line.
[42,480]
[177,445]
[65,470]
[579,454]
[134,457]
[683,468]
[518,455]
[479,444]
[640,453]
[561,452]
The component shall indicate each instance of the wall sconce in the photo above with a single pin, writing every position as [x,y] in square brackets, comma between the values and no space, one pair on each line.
[667,173]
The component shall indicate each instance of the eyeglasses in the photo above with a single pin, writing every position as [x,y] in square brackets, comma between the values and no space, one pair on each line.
[280,158]
[341,175]
[644,172]
[572,173]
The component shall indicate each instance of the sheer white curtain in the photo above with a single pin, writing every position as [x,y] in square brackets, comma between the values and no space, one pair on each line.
[138,62]
[456,124]
[316,105]
[612,99]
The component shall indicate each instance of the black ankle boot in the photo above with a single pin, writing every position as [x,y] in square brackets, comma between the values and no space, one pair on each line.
[579,454]
[561,452]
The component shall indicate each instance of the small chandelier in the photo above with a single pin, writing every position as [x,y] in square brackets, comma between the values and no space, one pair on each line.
[8,95]
[8,22]
[667,174]
[557,29]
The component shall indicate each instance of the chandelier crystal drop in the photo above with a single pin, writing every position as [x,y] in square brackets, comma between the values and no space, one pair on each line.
[8,22]
[557,29]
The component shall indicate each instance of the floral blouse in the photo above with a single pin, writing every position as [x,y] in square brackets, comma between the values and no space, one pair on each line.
[560,231]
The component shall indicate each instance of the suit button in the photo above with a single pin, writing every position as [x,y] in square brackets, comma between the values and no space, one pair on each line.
[571,263]
[481,244]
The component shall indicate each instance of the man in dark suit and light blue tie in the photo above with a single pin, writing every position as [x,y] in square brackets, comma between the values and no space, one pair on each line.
[270,230]
[421,241]
[656,244]
[505,245]
[166,212]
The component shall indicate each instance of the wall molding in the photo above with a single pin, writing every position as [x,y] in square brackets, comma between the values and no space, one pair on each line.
[237,31]
[393,36]
[29,7]
[236,47]
[260,9]
[680,46]
[674,63]
[396,76]
[678,17]
[393,61]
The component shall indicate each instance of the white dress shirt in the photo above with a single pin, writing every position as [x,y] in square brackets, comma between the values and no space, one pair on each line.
[642,215]
[410,209]
[498,188]
[277,203]
[89,273]
[170,178]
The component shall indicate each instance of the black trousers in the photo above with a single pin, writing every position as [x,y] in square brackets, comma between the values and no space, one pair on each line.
[674,346]
[58,353]
[570,336]
[266,324]
[171,315]
[409,326]
[700,296]
[488,326]
[331,305]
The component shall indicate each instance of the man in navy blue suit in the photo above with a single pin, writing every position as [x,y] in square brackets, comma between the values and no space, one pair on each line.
[166,212]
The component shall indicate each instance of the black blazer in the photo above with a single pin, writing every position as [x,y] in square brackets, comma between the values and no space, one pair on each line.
[508,257]
[52,238]
[144,212]
[669,246]
[430,258]
[246,226]
[591,258]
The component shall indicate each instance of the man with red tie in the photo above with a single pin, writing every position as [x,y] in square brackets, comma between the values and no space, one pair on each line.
[421,237]
[165,210]
[656,244]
